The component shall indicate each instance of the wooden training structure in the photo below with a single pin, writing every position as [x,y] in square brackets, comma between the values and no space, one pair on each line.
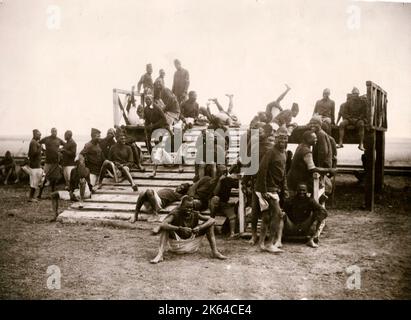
[374,141]
[114,204]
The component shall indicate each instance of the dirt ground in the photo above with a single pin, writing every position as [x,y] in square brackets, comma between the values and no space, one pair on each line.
[112,263]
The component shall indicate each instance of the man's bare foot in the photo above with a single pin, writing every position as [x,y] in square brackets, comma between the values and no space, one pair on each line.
[157,259]
[33,200]
[273,249]
[218,255]
[340,145]
[180,169]
[262,247]
[81,205]
[253,241]
[361,147]
[98,186]
[133,219]
[156,229]
[153,218]
[278,244]
[311,243]
[233,236]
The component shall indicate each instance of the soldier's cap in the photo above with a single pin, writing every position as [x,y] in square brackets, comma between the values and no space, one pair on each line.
[355,90]
[36,131]
[281,132]
[327,90]
[295,107]
[315,120]
[111,131]
[95,131]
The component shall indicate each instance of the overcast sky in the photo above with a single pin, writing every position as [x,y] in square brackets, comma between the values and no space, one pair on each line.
[64,77]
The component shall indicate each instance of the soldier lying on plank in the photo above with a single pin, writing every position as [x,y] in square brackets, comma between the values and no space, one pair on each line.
[157,200]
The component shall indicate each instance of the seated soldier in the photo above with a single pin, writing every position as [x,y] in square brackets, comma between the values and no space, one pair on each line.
[190,110]
[325,108]
[154,118]
[120,159]
[8,168]
[107,142]
[157,200]
[353,113]
[182,231]
[219,203]
[94,155]
[304,217]
[169,100]
[79,178]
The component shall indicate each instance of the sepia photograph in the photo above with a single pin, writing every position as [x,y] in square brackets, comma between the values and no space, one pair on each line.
[228,151]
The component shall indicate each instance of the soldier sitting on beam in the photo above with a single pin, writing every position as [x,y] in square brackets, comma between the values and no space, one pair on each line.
[354,113]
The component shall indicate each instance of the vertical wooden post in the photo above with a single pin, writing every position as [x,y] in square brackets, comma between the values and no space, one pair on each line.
[316,186]
[115,107]
[379,162]
[369,169]
[241,208]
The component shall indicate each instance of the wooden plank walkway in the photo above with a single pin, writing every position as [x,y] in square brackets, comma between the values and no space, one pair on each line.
[114,203]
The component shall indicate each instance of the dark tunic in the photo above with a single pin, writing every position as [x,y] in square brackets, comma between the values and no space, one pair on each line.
[154,118]
[147,81]
[121,154]
[34,154]
[181,82]
[106,144]
[69,153]
[299,210]
[271,174]
[323,150]
[52,147]
[226,185]
[170,101]
[325,108]
[354,109]
[168,196]
[299,172]
[94,157]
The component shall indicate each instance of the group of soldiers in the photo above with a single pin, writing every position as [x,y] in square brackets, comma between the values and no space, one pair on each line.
[280,193]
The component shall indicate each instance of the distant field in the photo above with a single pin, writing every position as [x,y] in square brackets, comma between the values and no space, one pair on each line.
[398,150]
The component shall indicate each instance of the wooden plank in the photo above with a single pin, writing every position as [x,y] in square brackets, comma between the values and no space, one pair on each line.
[110,218]
[370,169]
[379,161]
[114,207]
[125,190]
[146,182]
[118,198]
[164,175]
[241,209]
[128,198]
